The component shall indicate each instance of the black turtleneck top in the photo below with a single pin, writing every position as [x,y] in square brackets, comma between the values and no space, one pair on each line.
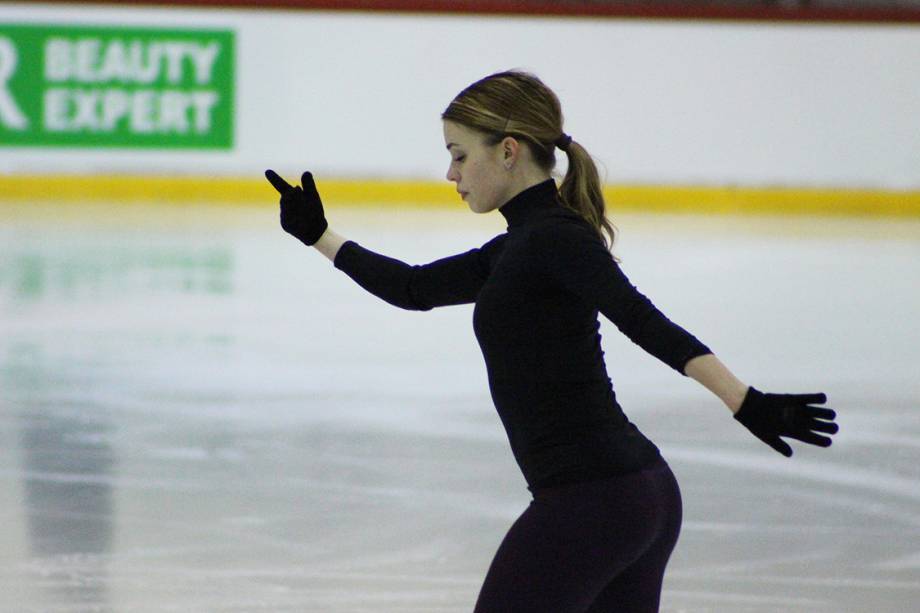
[538,289]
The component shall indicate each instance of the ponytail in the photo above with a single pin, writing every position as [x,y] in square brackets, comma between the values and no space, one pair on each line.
[581,192]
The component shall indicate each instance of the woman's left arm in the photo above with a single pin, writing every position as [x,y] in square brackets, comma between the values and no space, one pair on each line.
[575,257]
[711,373]
[767,416]
[580,262]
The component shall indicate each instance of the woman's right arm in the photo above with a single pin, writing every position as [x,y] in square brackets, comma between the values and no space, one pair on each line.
[329,244]
[448,281]
[452,280]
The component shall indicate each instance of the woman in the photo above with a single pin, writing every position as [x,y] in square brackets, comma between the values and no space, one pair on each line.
[606,509]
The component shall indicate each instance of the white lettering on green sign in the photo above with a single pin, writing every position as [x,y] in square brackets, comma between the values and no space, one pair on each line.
[146,110]
[93,60]
[10,115]
[103,86]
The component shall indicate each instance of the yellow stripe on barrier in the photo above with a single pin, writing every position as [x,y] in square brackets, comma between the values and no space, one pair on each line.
[632,198]
[217,190]
[766,200]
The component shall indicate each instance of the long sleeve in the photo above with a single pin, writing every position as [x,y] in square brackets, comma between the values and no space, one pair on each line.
[452,280]
[576,258]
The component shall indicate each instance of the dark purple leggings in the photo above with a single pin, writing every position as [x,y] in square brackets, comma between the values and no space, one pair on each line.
[596,547]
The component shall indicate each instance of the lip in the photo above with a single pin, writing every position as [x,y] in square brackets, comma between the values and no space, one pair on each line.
[462,194]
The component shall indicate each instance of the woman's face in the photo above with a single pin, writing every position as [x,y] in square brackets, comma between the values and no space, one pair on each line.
[478,169]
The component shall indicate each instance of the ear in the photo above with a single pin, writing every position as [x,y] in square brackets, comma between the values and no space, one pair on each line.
[510,148]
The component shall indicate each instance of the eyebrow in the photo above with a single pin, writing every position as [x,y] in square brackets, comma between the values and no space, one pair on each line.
[449,145]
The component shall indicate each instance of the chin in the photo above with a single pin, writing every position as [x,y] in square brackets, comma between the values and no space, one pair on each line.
[480,208]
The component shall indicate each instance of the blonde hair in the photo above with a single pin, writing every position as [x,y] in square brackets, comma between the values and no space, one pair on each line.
[518,104]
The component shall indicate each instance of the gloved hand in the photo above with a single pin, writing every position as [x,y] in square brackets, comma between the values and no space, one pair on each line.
[301,208]
[770,416]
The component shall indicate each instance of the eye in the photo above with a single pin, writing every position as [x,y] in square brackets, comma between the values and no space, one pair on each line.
[459,158]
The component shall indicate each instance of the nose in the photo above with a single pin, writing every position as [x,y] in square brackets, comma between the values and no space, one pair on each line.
[452,174]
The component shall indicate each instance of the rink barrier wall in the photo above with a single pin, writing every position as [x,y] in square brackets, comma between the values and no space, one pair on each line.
[427,194]
[548,8]
[677,102]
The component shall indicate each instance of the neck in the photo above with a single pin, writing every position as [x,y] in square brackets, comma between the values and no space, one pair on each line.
[529,202]
[525,179]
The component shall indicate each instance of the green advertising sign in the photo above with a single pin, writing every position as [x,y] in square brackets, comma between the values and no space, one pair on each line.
[116,87]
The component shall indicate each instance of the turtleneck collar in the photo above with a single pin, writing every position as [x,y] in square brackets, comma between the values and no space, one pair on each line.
[527,203]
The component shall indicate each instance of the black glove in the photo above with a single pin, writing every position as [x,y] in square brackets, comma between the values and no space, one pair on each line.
[770,416]
[301,209]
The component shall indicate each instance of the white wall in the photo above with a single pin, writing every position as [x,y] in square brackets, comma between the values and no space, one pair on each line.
[356,94]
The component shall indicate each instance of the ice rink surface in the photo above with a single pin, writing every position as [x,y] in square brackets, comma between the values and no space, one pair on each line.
[198,414]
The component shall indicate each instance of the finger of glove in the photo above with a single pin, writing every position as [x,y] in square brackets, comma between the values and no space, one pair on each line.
[292,211]
[803,419]
[309,185]
[291,197]
[779,445]
[277,182]
[807,398]
[811,438]
[821,413]
[827,427]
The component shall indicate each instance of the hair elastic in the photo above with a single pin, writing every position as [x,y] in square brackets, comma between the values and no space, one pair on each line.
[563,141]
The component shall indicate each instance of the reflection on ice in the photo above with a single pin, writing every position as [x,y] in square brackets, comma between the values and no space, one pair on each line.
[104,273]
[203,415]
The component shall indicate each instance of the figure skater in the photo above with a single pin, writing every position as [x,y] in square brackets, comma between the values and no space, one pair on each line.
[606,509]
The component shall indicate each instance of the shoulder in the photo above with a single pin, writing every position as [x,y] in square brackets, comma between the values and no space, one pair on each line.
[492,248]
[489,253]
[494,243]
[564,229]
[570,248]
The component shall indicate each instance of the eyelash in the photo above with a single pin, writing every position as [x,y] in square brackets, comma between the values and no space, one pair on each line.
[459,158]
